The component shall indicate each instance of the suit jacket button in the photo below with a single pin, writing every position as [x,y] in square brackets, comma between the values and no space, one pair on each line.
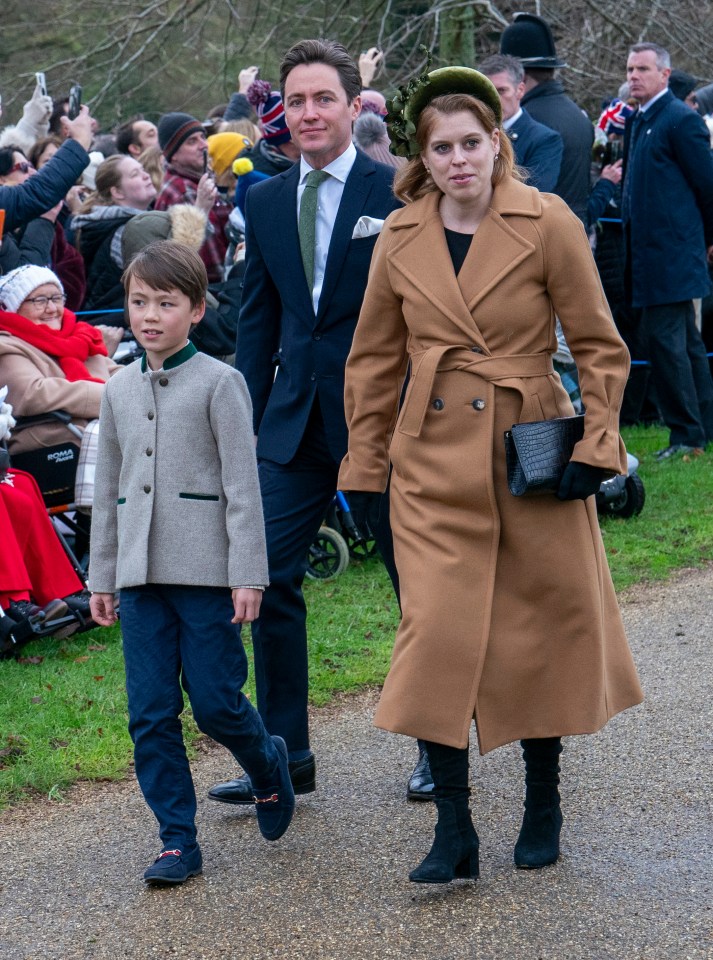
[479,404]
[316,336]
[163,382]
[147,488]
[149,451]
[438,404]
[313,377]
[151,415]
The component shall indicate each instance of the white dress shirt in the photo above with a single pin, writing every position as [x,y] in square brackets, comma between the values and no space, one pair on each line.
[513,119]
[329,196]
[653,100]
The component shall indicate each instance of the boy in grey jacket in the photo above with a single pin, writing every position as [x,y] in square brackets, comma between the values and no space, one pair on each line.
[176,526]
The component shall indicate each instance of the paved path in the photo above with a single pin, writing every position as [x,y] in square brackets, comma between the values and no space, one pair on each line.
[634,882]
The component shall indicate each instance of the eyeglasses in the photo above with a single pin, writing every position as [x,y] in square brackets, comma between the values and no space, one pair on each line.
[41,302]
[23,167]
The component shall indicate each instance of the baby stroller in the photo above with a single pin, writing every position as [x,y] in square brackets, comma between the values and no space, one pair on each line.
[622,496]
[338,540]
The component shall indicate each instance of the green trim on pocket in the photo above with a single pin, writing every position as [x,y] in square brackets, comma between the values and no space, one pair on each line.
[121,500]
[198,496]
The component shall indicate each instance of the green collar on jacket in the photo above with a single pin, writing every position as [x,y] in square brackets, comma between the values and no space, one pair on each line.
[175,360]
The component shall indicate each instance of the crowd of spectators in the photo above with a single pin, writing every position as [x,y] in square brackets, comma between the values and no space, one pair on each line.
[80,200]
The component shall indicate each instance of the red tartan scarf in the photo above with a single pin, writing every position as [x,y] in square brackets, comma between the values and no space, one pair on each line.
[70,346]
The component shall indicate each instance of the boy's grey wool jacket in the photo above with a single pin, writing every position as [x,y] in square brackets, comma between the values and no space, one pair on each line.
[177,495]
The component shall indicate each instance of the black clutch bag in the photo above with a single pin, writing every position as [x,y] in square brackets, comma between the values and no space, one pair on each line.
[536,454]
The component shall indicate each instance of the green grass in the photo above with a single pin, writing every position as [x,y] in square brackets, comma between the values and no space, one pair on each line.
[63,708]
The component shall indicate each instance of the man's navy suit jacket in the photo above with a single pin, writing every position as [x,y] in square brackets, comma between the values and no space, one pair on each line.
[669,217]
[278,326]
[539,150]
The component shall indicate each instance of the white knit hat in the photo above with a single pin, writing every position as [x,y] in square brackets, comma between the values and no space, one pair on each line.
[17,285]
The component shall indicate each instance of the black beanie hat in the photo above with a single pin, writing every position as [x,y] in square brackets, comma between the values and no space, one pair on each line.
[681,84]
[529,39]
[704,96]
[174,129]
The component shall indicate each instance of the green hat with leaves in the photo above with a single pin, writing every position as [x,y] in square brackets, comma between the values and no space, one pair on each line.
[408,104]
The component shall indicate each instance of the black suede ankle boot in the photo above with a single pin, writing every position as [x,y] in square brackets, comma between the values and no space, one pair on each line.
[454,853]
[539,842]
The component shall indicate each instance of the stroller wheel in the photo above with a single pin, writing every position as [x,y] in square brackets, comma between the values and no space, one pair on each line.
[328,555]
[630,502]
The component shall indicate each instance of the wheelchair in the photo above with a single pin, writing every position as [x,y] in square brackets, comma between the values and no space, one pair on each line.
[54,469]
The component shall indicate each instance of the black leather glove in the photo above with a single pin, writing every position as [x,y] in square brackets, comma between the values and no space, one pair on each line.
[579,481]
[365,507]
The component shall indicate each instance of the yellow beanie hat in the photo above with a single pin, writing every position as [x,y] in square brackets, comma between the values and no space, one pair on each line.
[223,148]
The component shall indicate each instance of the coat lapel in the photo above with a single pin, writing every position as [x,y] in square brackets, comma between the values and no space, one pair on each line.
[356,191]
[495,251]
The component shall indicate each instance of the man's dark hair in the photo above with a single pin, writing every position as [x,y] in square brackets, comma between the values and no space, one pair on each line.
[167,265]
[502,63]
[330,52]
[126,135]
[7,158]
[663,57]
[540,74]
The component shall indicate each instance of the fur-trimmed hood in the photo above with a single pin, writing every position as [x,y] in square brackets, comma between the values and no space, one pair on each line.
[183,223]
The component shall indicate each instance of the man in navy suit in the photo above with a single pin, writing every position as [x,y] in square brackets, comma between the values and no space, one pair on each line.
[294,335]
[538,149]
[667,212]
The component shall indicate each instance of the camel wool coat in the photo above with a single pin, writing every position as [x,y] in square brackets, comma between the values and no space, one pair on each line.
[509,612]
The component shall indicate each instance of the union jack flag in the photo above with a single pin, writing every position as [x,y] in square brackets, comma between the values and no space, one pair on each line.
[613,119]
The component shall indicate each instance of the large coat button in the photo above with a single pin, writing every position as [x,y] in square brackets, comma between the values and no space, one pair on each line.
[151,415]
[147,488]
[163,382]
[438,404]
[479,404]
[149,451]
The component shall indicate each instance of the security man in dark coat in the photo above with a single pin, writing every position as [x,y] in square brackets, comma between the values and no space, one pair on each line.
[667,211]
[529,39]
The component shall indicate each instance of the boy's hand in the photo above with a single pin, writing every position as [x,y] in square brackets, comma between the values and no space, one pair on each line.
[246,603]
[102,609]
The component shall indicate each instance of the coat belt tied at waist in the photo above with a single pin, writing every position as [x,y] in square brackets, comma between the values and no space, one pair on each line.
[507,371]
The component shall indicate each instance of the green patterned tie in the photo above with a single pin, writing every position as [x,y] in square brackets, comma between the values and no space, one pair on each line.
[308,219]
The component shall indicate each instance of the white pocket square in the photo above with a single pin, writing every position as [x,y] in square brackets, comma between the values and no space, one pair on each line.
[367,227]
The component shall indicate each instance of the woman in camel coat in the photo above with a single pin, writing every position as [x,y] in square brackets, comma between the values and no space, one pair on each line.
[509,613]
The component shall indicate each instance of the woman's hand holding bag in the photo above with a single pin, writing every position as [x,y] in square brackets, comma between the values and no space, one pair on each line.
[579,481]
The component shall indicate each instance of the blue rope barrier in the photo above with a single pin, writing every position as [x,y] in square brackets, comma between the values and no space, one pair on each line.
[89,313]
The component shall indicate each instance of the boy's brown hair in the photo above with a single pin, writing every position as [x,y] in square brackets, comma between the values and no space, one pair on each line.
[167,265]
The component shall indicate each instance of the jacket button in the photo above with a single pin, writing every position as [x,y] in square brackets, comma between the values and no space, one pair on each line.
[476,349]
[316,336]
[163,382]
[479,404]
[313,377]
[438,404]
[149,451]
[151,415]
[147,488]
